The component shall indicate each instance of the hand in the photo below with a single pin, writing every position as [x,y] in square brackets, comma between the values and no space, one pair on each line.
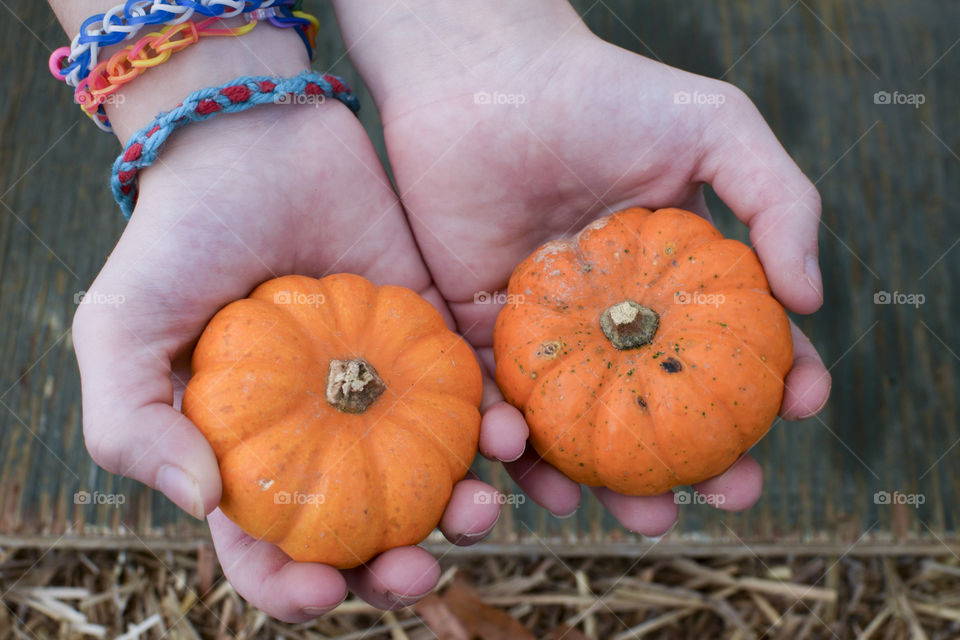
[234,201]
[518,126]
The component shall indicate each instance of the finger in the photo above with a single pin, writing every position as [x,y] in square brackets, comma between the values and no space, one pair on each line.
[432,295]
[472,512]
[489,362]
[396,578]
[503,431]
[129,424]
[807,386]
[268,579]
[647,515]
[697,203]
[544,484]
[767,191]
[736,489]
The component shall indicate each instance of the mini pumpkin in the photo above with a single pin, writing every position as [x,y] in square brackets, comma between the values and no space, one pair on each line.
[341,414]
[646,352]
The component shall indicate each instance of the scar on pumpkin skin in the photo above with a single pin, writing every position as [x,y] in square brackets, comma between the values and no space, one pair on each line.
[550,350]
[550,249]
[671,365]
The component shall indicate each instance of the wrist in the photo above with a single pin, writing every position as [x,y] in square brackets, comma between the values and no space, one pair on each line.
[210,61]
[307,89]
[425,47]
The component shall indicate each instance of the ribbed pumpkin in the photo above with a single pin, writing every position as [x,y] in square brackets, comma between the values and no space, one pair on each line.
[645,353]
[341,414]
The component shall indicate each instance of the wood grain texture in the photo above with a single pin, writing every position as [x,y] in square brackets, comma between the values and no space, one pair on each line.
[888,175]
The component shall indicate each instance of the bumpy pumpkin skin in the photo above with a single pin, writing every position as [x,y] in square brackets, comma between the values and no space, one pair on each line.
[358,483]
[675,411]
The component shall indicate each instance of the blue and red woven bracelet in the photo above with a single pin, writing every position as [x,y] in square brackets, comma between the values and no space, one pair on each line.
[143,148]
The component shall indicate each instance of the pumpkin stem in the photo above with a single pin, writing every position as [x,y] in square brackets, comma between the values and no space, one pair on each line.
[629,325]
[353,385]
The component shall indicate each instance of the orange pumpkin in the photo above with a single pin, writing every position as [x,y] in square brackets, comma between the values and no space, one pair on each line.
[645,353]
[341,414]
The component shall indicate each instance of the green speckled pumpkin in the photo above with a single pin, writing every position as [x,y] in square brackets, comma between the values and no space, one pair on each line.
[645,353]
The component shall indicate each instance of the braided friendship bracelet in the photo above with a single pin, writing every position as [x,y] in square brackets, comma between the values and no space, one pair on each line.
[156,48]
[122,22]
[144,146]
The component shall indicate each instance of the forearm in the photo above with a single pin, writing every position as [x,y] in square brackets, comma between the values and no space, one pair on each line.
[211,61]
[418,44]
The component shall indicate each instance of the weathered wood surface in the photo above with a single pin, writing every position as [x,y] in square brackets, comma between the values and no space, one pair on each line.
[888,175]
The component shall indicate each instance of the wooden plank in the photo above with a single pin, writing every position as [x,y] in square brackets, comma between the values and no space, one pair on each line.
[689,546]
[888,175]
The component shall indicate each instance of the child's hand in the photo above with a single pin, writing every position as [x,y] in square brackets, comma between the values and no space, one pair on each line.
[514,125]
[232,202]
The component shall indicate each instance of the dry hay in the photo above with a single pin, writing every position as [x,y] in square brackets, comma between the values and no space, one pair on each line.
[77,593]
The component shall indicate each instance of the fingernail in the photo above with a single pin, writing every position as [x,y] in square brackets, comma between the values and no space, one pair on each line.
[664,534]
[818,409]
[404,601]
[514,459]
[182,488]
[485,532]
[313,611]
[812,273]
[567,515]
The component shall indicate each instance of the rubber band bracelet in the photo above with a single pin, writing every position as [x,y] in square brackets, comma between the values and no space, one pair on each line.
[129,63]
[144,147]
[72,63]
[156,48]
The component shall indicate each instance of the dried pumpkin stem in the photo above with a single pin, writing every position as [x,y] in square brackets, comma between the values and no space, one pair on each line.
[353,385]
[629,325]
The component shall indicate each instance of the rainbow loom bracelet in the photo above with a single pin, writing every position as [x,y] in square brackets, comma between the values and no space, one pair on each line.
[72,63]
[241,94]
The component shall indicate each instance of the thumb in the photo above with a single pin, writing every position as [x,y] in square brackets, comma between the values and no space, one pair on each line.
[129,423]
[752,173]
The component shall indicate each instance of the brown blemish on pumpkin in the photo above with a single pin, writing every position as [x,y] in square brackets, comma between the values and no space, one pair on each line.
[641,402]
[671,365]
[550,350]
